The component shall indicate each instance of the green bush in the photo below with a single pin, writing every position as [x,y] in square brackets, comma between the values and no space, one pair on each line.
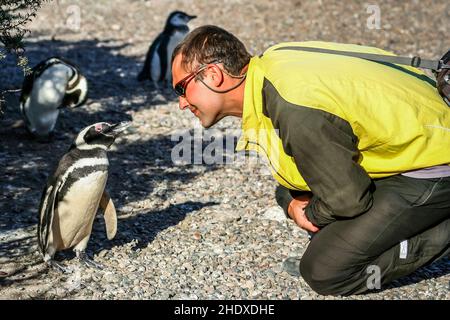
[14,16]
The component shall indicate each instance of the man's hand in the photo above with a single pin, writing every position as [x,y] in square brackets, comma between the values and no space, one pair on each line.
[296,211]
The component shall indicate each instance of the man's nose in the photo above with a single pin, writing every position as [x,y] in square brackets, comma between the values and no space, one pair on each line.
[183,104]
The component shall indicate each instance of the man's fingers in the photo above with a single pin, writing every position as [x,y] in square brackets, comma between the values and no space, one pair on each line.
[308,226]
[297,207]
[311,227]
[304,223]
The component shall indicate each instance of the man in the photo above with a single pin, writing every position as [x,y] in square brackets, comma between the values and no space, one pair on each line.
[364,150]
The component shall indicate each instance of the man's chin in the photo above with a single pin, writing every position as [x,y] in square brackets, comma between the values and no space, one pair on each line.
[209,124]
[206,126]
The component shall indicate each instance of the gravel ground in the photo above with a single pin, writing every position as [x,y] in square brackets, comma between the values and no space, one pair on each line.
[184,231]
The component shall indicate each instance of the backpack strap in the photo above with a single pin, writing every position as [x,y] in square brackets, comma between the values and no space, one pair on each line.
[414,61]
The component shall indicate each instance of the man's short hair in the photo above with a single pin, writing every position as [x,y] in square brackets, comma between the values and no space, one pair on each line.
[210,43]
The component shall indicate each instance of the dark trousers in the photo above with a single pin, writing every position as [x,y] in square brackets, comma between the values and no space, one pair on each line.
[346,256]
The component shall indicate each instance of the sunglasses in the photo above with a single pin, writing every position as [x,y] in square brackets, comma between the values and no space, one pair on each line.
[180,86]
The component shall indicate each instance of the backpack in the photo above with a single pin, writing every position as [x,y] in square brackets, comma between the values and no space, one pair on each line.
[440,68]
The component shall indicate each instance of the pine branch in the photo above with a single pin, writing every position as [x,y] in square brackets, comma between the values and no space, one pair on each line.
[14,16]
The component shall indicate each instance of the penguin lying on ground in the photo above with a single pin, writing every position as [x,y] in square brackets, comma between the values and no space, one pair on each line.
[74,192]
[53,84]
[157,66]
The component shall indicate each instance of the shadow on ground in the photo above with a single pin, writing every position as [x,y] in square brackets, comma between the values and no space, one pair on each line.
[110,74]
[136,168]
[437,269]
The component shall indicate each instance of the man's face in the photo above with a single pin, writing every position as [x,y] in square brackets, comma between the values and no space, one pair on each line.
[201,101]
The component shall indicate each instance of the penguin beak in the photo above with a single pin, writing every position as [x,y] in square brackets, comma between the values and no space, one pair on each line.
[191,17]
[118,128]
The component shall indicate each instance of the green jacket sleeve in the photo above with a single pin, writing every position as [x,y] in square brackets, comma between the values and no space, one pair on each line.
[325,151]
[284,196]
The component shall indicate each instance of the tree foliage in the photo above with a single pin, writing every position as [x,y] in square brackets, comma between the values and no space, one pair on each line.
[14,16]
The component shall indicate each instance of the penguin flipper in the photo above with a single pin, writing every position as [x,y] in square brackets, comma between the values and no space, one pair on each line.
[47,213]
[109,214]
[145,74]
[162,51]
[27,86]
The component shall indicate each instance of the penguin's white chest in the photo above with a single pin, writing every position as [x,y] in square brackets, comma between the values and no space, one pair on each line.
[175,39]
[76,212]
[46,96]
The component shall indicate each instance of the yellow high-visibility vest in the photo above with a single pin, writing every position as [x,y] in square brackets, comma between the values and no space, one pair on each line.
[399,118]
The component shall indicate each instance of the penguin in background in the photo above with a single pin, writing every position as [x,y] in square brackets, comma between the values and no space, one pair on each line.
[52,85]
[74,193]
[157,67]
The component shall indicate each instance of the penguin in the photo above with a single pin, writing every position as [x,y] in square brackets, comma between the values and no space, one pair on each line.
[157,67]
[52,84]
[74,193]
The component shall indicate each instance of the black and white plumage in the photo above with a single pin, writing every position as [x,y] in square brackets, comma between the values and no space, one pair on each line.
[157,67]
[74,192]
[53,84]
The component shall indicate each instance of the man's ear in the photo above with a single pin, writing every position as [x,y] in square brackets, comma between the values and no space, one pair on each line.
[214,75]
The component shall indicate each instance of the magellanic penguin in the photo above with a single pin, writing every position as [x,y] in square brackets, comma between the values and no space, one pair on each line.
[74,192]
[53,84]
[157,67]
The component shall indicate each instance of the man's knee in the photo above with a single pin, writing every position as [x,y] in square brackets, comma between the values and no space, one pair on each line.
[328,276]
[316,274]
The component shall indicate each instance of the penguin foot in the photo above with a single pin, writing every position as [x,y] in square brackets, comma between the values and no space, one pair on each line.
[88,262]
[58,266]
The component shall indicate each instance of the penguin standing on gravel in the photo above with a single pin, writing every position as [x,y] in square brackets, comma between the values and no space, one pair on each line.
[75,191]
[53,84]
[157,67]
